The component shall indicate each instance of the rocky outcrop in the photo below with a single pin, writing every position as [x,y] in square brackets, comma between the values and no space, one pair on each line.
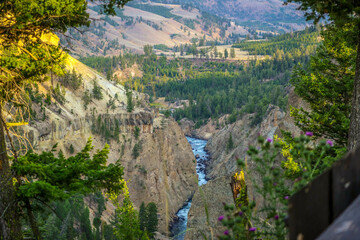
[206,131]
[203,201]
[163,173]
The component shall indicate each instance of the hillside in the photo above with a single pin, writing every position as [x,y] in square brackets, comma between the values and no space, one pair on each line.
[258,14]
[137,25]
[67,111]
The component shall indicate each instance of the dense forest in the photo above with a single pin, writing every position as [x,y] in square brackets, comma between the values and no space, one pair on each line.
[250,89]
[215,88]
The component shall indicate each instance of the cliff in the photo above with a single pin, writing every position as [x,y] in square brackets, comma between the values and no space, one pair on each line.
[163,168]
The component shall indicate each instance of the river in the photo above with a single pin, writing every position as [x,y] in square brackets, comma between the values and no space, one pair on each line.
[178,228]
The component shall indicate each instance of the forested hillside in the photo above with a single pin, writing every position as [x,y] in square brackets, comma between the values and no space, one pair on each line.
[215,88]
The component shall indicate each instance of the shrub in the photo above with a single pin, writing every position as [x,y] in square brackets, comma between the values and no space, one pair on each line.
[302,160]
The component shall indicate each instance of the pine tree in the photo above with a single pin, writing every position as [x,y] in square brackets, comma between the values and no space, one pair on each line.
[226,53]
[130,104]
[152,218]
[25,22]
[230,143]
[232,53]
[327,87]
[341,13]
[128,225]
[143,217]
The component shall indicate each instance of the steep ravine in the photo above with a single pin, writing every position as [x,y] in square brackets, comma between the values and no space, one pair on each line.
[178,228]
[163,172]
[223,164]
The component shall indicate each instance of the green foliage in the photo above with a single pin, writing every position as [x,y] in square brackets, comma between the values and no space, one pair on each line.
[59,93]
[48,99]
[148,50]
[71,80]
[106,126]
[162,47]
[142,216]
[230,143]
[130,105]
[152,219]
[342,12]
[290,43]
[57,178]
[275,187]
[97,92]
[136,150]
[137,132]
[127,225]
[327,86]
[232,53]
[86,98]
[226,53]
[71,149]
[225,88]
[148,218]
[28,52]
[167,113]
[232,117]
[159,10]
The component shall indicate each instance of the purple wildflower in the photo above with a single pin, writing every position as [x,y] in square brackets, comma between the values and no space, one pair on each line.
[309,134]
[330,143]
[275,184]
[269,140]
[286,197]
[240,213]
[252,229]
[221,218]
[226,232]
[276,217]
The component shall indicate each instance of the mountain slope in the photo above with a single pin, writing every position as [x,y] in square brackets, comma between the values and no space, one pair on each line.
[151,159]
[270,13]
[137,25]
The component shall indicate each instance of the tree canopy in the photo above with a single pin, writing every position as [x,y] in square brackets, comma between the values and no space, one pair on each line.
[29,50]
[327,86]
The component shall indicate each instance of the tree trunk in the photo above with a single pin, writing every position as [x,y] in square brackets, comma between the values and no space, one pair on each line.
[32,220]
[10,227]
[354,130]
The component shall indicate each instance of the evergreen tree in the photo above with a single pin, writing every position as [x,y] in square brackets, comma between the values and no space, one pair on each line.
[58,178]
[28,22]
[137,132]
[232,53]
[130,104]
[128,225]
[342,13]
[226,53]
[327,86]
[143,217]
[96,92]
[152,218]
[230,143]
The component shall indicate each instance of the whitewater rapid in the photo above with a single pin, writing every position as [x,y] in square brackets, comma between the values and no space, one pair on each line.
[178,228]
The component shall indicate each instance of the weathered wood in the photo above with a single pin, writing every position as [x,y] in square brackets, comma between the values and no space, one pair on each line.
[346,226]
[315,207]
[345,182]
[309,209]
